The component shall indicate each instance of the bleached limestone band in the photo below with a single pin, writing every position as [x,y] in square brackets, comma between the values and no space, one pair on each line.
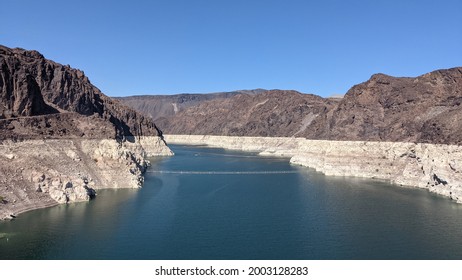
[435,167]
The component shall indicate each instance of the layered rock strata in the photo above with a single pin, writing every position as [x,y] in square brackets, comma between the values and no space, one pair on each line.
[435,167]
[47,172]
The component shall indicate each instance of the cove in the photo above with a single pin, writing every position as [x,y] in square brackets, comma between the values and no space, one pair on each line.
[208,203]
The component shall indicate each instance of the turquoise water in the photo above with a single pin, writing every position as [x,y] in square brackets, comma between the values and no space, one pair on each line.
[213,213]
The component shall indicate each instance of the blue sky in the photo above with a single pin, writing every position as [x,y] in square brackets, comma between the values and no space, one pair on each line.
[171,46]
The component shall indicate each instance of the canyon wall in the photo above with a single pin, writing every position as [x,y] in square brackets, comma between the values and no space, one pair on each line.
[436,167]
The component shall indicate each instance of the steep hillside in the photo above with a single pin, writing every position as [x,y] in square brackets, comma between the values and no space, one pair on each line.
[384,108]
[32,85]
[271,113]
[165,106]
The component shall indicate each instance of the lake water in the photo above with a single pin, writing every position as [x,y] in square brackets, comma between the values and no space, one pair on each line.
[255,214]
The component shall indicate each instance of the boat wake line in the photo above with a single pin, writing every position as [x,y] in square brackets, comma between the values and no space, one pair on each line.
[223,172]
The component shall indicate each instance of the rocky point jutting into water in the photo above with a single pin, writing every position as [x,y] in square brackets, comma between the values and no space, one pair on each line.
[61,138]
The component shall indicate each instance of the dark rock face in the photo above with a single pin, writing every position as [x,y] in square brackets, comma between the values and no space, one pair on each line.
[62,125]
[20,93]
[165,106]
[270,113]
[32,85]
[384,108]
[424,109]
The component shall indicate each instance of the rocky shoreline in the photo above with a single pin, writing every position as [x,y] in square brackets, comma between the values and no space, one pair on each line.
[435,167]
[47,172]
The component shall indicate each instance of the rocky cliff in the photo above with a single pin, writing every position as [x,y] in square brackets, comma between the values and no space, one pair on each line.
[425,109]
[62,139]
[32,85]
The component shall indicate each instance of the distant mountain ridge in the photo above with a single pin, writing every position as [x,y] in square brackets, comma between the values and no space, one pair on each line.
[270,113]
[164,106]
[423,109]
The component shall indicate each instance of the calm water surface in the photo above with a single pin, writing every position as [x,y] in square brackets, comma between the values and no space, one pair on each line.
[296,215]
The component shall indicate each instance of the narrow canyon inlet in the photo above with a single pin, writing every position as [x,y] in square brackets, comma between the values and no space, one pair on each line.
[207,203]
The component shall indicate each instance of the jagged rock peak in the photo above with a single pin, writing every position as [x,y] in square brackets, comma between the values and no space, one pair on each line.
[20,51]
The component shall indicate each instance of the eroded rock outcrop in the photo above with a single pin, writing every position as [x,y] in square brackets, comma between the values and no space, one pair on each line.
[46,172]
[428,166]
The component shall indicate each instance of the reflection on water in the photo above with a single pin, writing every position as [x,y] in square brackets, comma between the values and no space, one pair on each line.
[50,232]
[300,215]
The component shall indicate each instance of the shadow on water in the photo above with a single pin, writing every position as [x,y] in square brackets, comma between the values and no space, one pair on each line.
[55,232]
[300,214]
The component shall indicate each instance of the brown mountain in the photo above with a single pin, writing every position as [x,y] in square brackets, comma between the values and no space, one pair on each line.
[270,113]
[384,108]
[165,106]
[41,98]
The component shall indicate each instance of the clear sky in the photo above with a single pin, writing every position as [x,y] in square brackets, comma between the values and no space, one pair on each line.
[173,46]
